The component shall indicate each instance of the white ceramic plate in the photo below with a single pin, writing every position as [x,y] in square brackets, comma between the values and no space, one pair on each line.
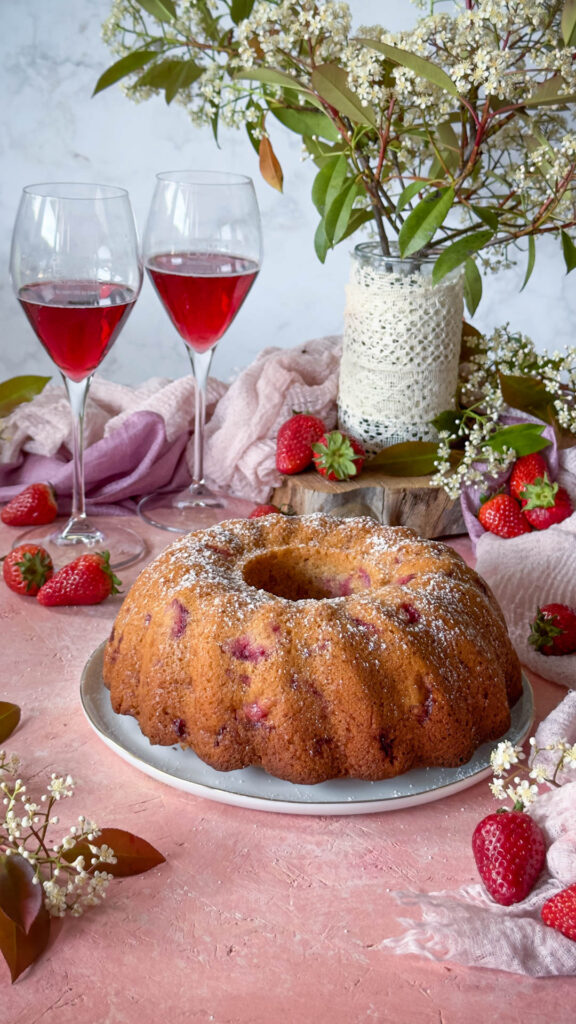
[254,788]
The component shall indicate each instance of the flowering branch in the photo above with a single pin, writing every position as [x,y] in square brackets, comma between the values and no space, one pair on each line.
[523,792]
[464,104]
[42,878]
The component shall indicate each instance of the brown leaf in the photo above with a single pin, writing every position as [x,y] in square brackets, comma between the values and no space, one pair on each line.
[466,350]
[20,949]
[9,718]
[133,855]
[270,168]
[20,898]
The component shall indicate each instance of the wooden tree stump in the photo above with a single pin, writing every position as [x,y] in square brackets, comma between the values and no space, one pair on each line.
[394,501]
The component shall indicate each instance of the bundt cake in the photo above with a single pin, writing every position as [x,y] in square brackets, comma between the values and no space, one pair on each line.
[315,647]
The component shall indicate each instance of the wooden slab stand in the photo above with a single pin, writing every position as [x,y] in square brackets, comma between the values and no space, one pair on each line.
[394,501]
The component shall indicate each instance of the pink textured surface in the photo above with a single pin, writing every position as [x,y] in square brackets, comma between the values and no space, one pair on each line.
[255,918]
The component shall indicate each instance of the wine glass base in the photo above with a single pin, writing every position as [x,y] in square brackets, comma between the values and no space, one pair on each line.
[185,511]
[123,544]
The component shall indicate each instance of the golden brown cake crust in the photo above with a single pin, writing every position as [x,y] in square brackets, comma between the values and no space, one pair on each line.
[315,647]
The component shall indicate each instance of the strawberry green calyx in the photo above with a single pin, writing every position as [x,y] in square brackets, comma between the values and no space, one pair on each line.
[107,568]
[543,631]
[35,568]
[335,455]
[540,494]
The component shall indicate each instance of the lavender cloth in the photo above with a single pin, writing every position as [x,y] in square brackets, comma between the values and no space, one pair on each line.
[140,440]
[134,460]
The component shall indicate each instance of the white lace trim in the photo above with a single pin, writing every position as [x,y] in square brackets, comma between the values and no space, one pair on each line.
[400,354]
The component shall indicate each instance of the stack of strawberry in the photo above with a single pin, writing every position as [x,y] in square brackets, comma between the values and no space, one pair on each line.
[28,569]
[533,501]
[304,441]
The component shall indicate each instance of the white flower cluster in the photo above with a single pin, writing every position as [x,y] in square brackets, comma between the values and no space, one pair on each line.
[503,352]
[25,828]
[523,792]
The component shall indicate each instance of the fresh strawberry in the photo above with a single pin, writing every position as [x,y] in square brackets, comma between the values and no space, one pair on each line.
[294,442]
[27,568]
[87,580]
[545,504]
[338,456]
[560,912]
[509,850]
[503,516]
[526,470]
[266,510]
[34,506]
[554,630]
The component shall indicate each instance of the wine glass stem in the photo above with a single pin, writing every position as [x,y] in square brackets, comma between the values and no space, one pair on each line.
[200,362]
[77,394]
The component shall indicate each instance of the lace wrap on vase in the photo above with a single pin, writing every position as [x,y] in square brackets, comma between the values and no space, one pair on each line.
[401,350]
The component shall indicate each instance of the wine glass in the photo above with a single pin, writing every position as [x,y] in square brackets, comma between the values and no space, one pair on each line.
[202,251]
[76,271]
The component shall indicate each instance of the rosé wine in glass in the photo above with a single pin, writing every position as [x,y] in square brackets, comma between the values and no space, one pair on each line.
[77,272]
[202,252]
[77,322]
[202,292]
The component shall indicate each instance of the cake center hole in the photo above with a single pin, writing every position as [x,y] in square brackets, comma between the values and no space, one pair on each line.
[304,574]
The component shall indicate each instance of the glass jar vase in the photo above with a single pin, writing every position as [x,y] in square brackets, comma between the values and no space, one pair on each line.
[401,348]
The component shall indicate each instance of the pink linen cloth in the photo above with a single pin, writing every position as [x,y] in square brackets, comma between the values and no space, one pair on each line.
[466,926]
[139,440]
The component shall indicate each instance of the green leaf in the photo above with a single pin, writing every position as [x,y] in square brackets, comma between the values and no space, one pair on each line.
[268,77]
[171,75]
[162,10]
[21,949]
[459,252]
[531,261]
[189,73]
[421,67]
[472,286]
[422,223]
[9,718]
[449,146]
[331,83]
[306,122]
[528,394]
[338,214]
[409,458]
[124,66]
[449,420]
[569,250]
[133,855]
[328,182]
[357,219]
[240,9]
[408,194]
[523,438]
[487,216]
[20,898]
[321,243]
[547,94]
[19,389]
[568,22]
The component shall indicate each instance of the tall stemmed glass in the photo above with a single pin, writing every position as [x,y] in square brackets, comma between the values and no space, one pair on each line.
[77,273]
[202,250]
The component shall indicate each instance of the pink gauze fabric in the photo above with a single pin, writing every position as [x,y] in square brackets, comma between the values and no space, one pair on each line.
[139,440]
[466,926]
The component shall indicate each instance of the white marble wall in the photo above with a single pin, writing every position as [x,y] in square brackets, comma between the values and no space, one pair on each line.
[51,129]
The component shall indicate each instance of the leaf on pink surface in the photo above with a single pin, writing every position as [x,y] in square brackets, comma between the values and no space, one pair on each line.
[133,855]
[20,897]
[9,718]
